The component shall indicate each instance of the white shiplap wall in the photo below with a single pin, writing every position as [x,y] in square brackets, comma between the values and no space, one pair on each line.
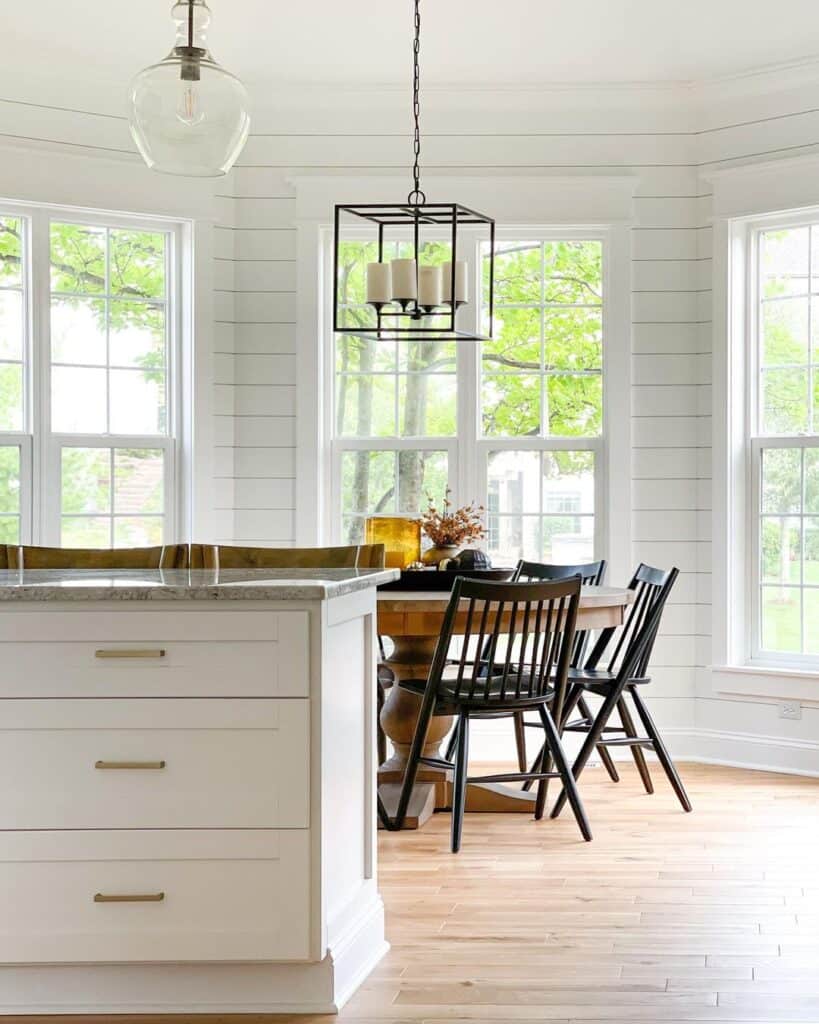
[667,138]
[525,135]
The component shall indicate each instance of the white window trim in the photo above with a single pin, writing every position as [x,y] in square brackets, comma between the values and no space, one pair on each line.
[40,449]
[521,206]
[746,198]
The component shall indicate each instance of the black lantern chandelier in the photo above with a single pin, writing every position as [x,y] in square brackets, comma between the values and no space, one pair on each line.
[411,301]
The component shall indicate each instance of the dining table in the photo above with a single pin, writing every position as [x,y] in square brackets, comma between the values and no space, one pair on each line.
[412,621]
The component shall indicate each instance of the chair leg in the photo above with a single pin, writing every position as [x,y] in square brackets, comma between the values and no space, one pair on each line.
[459,780]
[605,756]
[568,708]
[520,741]
[660,749]
[381,739]
[636,752]
[566,777]
[592,739]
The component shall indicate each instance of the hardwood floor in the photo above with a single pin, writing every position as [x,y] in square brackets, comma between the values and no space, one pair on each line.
[666,916]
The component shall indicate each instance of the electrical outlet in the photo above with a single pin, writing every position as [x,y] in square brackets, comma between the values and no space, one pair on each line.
[791,710]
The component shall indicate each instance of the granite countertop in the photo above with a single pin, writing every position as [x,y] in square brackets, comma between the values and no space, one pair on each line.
[188,585]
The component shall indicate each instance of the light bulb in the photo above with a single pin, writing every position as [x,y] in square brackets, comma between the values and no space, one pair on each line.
[189,108]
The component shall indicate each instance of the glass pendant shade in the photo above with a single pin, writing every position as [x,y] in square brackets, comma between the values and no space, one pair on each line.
[187,114]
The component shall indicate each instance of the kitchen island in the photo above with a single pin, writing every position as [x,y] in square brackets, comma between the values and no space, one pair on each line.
[187,791]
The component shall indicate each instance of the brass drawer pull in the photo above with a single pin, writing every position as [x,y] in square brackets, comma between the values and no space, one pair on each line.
[129,765]
[137,897]
[126,653]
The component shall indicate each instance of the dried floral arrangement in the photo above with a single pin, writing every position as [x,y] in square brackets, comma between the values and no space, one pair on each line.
[449,527]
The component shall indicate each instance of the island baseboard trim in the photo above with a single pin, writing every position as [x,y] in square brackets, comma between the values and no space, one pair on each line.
[171,989]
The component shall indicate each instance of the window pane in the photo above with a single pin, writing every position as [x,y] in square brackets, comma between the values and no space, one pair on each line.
[11,252]
[11,320]
[10,494]
[540,506]
[133,532]
[574,405]
[78,402]
[516,347]
[86,480]
[781,550]
[137,334]
[427,405]
[574,272]
[811,481]
[573,339]
[421,475]
[514,482]
[368,482]
[137,263]
[785,401]
[518,268]
[781,619]
[784,262]
[77,258]
[11,396]
[568,482]
[785,332]
[511,406]
[137,401]
[138,480]
[782,480]
[365,406]
[78,331]
[811,599]
[363,355]
[86,532]
[9,530]
[810,541]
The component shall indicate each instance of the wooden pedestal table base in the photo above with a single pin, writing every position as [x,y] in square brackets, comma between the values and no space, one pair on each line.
[413,622]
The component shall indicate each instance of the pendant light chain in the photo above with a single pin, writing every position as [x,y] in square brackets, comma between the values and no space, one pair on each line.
[416,197]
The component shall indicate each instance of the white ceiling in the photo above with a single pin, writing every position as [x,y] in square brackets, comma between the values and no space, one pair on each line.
[54,50]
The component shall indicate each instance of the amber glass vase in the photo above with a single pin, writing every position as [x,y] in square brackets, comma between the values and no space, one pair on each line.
[401,538]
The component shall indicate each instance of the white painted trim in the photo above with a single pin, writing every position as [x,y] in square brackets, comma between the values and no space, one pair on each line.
[766,681]
[765,188]
[617,397]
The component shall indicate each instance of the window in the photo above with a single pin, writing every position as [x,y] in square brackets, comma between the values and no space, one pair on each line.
[784,442]
[515,424]
[88,411]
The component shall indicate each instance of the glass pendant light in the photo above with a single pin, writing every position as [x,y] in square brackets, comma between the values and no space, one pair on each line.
[187,114]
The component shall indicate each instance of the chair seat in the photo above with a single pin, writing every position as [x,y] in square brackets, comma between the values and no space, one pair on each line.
[493,705]
[599,681]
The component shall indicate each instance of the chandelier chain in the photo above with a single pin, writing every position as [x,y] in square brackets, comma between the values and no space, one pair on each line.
[416,197]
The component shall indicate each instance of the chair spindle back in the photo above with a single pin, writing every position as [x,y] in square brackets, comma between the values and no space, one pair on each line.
[537,621]
[651,589]
[592,575]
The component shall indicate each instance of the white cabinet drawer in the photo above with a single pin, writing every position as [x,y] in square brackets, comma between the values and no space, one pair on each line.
[158,668]
[225,896]
[199,621]
[69,764]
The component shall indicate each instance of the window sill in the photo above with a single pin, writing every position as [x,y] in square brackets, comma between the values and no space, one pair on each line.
[785,683]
